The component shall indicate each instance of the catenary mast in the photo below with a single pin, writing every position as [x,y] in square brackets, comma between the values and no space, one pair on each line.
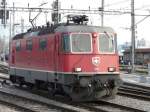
[133,35]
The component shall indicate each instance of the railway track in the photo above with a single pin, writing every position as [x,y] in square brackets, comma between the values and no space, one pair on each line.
[32,104]
[4,68]
[17,107]
[135,91]
[97,106]
[100,106]
[28,105]
[105,106]
[127,89]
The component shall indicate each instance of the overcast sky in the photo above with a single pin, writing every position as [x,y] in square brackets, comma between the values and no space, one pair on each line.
[120,23]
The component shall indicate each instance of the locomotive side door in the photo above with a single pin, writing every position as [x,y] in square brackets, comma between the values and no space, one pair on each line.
[12,53]
[56,52]
[57,55]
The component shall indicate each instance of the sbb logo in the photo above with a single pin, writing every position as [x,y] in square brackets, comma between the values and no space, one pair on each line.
[96,61]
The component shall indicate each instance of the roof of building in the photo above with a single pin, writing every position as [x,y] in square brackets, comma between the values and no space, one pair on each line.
[139,50]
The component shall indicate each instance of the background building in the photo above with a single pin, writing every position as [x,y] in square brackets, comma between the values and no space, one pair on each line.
[142,56]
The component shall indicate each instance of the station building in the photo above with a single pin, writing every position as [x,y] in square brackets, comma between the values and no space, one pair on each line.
[142,56]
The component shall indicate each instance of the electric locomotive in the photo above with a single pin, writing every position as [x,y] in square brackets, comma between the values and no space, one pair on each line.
[71,58]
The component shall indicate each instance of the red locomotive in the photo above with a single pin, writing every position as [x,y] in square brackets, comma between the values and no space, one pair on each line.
[70,58]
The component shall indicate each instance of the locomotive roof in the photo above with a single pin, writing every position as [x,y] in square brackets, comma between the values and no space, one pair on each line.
[64,28]
[83,28]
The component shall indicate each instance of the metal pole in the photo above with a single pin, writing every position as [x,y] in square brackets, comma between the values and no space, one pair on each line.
[57,12]
[4,1]
[10,30]
[102,13]
[46,16]
[13,26]
[133,35]
[22,25]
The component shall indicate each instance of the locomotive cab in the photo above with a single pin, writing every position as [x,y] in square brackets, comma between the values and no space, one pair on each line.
[90,54]
[93,48]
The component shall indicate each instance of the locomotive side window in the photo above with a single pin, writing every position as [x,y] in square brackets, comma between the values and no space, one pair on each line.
[29,45]
[66,43]
[42,43]
[106,43]
[18,45]
[81,43]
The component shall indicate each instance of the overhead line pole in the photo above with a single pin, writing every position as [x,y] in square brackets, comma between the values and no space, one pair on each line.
[13,25]
[22,25]
[102,13]
[4,20]
[57,21]
[133,35]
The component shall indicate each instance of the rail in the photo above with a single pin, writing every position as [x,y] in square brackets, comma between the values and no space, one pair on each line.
[105,106]
[138,68]
[135,90]
[4,68]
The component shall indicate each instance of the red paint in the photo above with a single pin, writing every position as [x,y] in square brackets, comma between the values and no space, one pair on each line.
[53,59]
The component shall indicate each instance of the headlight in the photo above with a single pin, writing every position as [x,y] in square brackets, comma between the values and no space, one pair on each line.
[111,69]
[77,69]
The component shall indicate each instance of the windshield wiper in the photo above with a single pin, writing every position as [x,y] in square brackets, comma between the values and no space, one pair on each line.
[107,34]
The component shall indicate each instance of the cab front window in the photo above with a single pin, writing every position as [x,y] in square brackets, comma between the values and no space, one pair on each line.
[107,43]
[81,43]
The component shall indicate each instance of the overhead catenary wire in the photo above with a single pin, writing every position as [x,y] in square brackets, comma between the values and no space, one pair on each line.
[116,3]
[142,19]
[35,9]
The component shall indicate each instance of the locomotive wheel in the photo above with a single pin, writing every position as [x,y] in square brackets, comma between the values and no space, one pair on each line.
[30,85]
[12,78]
[50,88]
[51,91]
[113,92]
[18,80]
